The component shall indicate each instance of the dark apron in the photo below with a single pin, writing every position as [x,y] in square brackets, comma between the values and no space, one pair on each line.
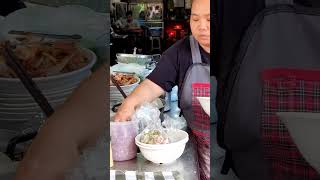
[197,83]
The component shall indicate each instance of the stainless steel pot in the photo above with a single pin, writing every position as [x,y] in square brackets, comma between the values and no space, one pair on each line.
[137,58]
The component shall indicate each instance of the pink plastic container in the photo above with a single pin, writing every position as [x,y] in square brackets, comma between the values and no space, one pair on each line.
[123,140]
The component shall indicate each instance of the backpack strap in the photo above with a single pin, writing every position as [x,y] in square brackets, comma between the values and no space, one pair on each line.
[227,163]
[195,51]
[270,3]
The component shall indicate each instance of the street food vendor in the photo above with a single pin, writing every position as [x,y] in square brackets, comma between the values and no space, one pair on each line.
[185,64]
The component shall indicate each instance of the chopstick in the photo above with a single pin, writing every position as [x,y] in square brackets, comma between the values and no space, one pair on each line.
[56,36]
[30,85]
[27,81]
[118,87]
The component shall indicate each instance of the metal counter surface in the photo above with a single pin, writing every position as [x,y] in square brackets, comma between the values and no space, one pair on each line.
[186,165]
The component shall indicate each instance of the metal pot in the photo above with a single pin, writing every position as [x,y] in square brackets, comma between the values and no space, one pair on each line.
[137,58]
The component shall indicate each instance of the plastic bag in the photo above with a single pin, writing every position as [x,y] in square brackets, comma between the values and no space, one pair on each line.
[148,116]
[174,123]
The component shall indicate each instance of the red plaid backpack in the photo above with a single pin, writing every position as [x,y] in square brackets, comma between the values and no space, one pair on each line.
[274,71]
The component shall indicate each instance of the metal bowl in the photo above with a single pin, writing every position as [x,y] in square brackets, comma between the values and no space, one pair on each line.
[136,58]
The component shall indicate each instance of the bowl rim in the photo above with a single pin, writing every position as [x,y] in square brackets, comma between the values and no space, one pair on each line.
[125,55]
[15,120]
[51,93]
[113,123]
[93,60]
[29,104]
[26,112]
[162,146]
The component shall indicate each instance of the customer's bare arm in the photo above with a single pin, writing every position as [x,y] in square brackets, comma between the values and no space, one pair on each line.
[75,125]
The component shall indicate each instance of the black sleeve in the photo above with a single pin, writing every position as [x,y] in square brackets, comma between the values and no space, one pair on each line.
[166,73]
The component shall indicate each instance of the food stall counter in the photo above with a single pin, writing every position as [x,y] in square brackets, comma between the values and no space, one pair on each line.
[186,165]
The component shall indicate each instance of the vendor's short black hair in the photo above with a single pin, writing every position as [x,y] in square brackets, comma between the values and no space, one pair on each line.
[129,13]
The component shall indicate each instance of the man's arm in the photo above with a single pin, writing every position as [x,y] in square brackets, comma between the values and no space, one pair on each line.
[78,123]
[147,91]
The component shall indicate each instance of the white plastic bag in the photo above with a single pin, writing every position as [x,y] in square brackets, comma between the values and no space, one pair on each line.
[148,116]
[174,123]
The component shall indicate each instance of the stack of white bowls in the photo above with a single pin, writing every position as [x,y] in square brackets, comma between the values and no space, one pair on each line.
[16,103]
[115,95]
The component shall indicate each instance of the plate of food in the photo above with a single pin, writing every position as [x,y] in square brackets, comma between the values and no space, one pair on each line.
[128,82]
[56,66]
[125,79]
[44,59]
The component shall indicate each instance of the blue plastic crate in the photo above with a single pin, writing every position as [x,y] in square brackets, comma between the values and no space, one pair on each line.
[156,31]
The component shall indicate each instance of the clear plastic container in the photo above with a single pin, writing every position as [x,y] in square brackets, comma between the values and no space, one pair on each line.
[122,140]
[111,159]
